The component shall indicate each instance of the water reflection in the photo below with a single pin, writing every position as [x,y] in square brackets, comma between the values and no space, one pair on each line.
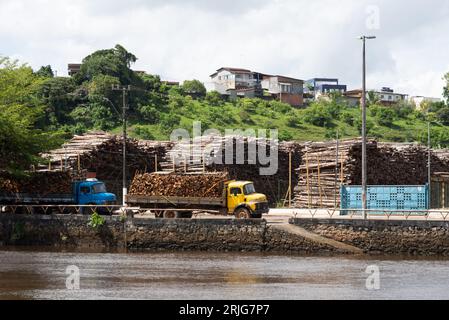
[30,273]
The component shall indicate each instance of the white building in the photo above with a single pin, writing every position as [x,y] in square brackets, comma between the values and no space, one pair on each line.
[228,79]
[419,100]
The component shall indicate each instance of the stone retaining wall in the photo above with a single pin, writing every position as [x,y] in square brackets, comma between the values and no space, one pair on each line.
[153,234]
[406,237]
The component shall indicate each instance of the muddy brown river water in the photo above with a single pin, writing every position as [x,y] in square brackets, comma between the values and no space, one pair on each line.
[30,273]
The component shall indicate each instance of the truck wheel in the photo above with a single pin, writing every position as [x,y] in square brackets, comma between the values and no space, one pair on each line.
[170,214]
[242,213]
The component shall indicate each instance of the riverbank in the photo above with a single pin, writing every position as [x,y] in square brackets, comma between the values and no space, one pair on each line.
[253,235]
[300,236]
[398,237]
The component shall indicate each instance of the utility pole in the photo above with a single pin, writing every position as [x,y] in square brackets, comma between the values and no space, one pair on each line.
[364,162]
[429,172]
[337,150]
[124,90]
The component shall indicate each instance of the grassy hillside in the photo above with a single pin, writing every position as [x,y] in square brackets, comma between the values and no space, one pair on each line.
[320,121]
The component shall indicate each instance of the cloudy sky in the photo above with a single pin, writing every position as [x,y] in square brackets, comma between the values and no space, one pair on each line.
[186,39]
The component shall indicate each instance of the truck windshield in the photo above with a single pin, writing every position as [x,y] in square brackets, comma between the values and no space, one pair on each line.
[249,189]
[99,188]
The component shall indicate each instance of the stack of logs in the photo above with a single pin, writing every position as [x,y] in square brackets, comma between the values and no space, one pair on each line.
[321,174]
[179,185]
[274,185]
[8,184]
[42,183]
[107,158]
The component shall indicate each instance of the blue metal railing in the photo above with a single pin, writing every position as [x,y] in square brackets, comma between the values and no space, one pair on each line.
[385,198]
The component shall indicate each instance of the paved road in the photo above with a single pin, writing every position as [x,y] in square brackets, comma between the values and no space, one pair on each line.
[281,216]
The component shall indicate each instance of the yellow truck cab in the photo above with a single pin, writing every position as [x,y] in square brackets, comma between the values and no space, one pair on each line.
[244,202]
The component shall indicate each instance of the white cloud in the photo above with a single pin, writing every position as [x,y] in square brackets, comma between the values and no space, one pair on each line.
[190,39]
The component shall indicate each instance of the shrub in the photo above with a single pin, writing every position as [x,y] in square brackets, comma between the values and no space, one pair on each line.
[285,135]
[317,115]
[443,115]
[213,98]
[347,118]
[245,117]
[150,114]
[279,106]
[169,122]
[143,132]
[385,116]
[292,120]
[96,221]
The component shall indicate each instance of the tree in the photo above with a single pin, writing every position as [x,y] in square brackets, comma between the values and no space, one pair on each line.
[60,98]
[114,62]
[446,87]
[372,98]
[45,72]
[195,88]
[21,139]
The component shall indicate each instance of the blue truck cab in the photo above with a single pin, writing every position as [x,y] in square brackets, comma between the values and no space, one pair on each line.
[92,192]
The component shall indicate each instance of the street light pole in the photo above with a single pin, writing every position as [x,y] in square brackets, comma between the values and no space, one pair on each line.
[429,171]
[364,161]
[125,190]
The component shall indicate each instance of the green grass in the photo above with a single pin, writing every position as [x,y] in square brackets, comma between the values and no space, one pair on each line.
[264,115]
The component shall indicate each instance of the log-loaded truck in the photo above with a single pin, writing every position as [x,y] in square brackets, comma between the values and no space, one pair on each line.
[230,197]
[90,192]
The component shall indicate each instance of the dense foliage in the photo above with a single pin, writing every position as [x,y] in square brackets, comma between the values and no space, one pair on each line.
[39,109]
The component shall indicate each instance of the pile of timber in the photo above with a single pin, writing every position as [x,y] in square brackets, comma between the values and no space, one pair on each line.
[208,154]
[68,154]
[42,183]
[179,185]
[191,156]
[274,186]
[8,183]
[107,158]
[102,153]
[321,173]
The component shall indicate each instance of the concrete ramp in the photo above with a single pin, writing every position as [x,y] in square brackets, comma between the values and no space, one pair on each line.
[296,230]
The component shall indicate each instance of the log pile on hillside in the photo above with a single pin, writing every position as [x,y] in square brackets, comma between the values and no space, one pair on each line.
[180,185]
[321,174]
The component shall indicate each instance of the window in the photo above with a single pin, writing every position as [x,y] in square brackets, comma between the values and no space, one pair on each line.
[85,189]
[285,88]
[235,191]
[99,188]
[249,189]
